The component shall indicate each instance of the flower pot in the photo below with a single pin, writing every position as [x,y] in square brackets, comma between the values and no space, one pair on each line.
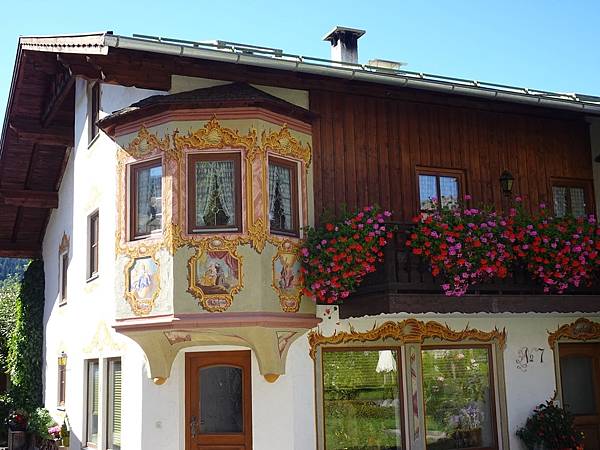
[468,438]
[17,440]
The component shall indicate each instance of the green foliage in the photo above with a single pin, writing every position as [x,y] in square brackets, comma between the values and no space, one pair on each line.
[9,291]
[5,408]
[12,267]
[25,345]
[550,426]
[39,422]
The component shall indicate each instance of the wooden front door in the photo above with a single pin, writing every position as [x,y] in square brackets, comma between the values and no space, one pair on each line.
[580,381]
[218,405]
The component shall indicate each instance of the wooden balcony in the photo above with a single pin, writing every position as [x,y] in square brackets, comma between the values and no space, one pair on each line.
[403,284]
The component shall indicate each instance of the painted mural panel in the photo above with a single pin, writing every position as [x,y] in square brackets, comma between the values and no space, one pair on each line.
[143,285]
[215,276]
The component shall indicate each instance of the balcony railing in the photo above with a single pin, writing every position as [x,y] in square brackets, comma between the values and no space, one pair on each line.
[404,283]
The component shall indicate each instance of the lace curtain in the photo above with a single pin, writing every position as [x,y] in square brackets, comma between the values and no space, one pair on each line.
[215,192]
[280,197]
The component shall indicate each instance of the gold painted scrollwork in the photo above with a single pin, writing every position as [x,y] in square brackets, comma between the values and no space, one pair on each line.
[580,330]
[283,143]
[212,135]
[203,281]
[409,331]
[145,142]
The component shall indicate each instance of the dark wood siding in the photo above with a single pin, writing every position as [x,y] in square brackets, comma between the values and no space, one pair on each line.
[366,150]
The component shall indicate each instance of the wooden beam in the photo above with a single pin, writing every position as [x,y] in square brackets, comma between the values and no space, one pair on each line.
[61,86]
[12,249]
[32,131]
[28,198]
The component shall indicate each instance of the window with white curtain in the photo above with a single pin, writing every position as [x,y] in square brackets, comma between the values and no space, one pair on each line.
[215,188]
[569,199]
[283,197]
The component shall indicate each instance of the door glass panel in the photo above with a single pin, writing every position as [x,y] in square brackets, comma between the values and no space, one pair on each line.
[577,377]
[458,399]
[362,407]
[221,404]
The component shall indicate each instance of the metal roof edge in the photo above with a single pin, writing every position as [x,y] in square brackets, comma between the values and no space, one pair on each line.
[91,43]
[323,67]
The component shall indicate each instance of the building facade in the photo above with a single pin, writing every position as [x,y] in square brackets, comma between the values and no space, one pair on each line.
[167,187]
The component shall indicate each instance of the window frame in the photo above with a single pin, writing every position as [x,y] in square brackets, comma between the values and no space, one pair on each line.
[568,183]
[192,158]
[295,200]
[64,267]
[93,245]
[62,381]
[89,404]
[133,170]
[492,368]
[438,172]
[110,400]
[94,111]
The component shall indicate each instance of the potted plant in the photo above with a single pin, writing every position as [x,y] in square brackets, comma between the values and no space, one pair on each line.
[550,427]
[467,426]
[337,256]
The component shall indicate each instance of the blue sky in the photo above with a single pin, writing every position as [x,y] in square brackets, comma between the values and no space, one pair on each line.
[552,45]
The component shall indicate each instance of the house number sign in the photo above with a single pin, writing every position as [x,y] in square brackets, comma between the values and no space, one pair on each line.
[527,356]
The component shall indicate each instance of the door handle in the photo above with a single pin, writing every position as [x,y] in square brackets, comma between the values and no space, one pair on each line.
[194,427]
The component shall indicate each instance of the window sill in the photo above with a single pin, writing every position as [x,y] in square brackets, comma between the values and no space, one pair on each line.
[291,234]
[93,141]
[93,277]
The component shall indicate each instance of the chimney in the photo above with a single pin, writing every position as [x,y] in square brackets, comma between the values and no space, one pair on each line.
[344,44]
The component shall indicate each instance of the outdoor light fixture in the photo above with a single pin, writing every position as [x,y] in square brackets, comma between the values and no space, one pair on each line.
[506,182]
[62,359]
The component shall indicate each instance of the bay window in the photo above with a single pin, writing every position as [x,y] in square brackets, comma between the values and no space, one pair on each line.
[214,193]
[283,196]
[146,198]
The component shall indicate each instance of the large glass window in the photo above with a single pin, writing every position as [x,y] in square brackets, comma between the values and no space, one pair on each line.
[146,198]
[283,196]
[438,189]
[114,404]
[458,397]
[361,400]
[214,193]
[93,402]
